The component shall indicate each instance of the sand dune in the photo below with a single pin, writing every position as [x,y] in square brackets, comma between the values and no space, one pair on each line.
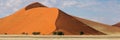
[72,25]
[39,18]
[117,25]
[107,29]
[30,21]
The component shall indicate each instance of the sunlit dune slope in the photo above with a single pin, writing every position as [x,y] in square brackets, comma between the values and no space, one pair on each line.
[33,20]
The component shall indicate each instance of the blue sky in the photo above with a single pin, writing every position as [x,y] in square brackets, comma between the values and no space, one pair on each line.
[103,11]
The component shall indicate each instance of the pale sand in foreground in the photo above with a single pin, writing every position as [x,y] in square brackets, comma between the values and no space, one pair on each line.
[56,37]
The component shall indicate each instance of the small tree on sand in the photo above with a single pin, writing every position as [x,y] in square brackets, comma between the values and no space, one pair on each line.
[36,33]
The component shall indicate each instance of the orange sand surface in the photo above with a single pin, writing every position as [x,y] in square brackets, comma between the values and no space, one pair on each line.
[34,20]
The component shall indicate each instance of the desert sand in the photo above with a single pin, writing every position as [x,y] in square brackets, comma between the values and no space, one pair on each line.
[39,18]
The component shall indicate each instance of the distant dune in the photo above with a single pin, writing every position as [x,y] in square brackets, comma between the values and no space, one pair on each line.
[39,18]
[118,24]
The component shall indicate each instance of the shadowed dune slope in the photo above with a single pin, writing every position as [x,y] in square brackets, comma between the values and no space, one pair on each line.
[118,24]
[34,5]
[73,26]
[107,29]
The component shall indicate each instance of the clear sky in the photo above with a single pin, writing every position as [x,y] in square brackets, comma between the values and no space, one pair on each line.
[103,11]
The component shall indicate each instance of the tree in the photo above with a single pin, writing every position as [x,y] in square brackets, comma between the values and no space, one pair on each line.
[81,33]
[36,33]
[24,33]
[54,33]
[5,33]
[58,33]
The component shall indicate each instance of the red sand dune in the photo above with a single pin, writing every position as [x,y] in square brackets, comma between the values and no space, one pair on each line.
[118,24]
[107,29]
[30,21]
[39,18]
